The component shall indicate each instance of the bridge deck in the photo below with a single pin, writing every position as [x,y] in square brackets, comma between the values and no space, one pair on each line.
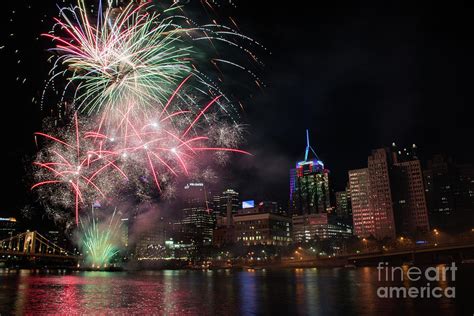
[37,255]
[411,251]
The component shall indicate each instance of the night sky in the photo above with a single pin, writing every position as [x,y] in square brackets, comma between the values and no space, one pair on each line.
[359,77]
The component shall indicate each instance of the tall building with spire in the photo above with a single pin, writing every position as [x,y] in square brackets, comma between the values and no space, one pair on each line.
[309,201]
[309,184]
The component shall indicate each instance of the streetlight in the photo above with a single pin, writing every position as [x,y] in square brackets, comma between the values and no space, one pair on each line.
[365,242]
[401,239]
[436,232]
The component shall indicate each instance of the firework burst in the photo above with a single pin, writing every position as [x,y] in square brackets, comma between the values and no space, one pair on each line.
[145,113]
[138,55]
[69,168]
[90,164]
[99,240]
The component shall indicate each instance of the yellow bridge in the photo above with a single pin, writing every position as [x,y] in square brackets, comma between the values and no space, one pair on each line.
[33,245]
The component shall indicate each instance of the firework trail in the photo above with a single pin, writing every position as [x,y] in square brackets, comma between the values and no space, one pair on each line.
[99,240]
[169,143]
[71,166]
[145,112]
[91,164]
[138,55]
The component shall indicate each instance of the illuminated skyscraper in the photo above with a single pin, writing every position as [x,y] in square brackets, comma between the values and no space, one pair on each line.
[343,205]
[380,193]
[227,201]
[309,185]
[124,232]
[362,215]
[8,227]
[388,196]
[198,222]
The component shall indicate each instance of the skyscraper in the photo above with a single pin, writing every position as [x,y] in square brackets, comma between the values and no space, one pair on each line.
[388,197]
[411,212]
[380,193]
[227,201]
[343,205]
[309,201]
[408,196]
[309,185]
[362,215]
[449,191]
[124,232]
[197,224]
[8,227]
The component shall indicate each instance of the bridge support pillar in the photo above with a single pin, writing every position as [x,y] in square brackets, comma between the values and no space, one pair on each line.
[29,245]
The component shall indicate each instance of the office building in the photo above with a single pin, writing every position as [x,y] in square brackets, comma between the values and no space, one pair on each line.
[8,227]
[380,194]
[198,222]
[226,203]
[362,215]
[343,206]
[262,229]
[315,227]
[395,203]
[255,228]
[309,185]
[449,189]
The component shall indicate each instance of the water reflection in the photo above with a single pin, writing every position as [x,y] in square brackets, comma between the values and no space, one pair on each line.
[224,292]
[248,292]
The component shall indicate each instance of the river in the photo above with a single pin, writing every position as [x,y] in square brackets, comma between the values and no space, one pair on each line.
[328,291]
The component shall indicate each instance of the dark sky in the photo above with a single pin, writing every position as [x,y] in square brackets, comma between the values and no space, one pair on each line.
[358,76]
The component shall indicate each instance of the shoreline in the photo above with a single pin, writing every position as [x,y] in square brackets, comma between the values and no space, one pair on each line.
[231,268]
